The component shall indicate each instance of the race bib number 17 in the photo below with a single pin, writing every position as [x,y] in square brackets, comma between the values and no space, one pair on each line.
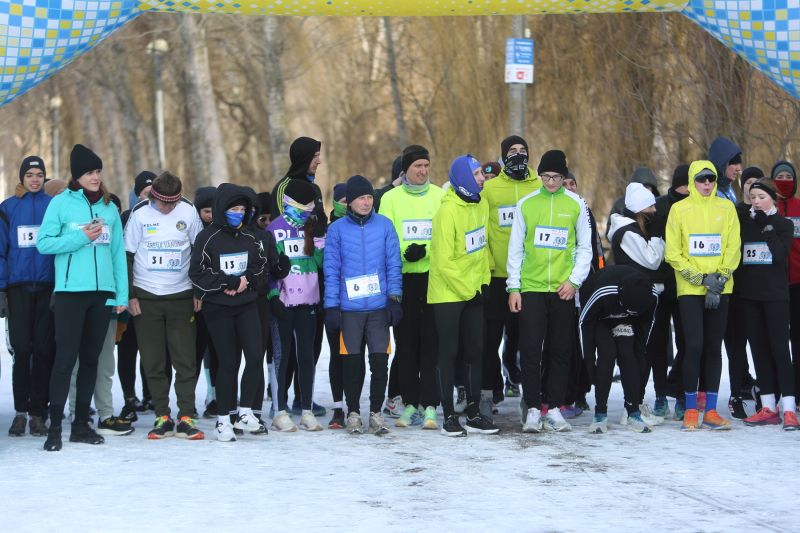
[551,237]
[705,244]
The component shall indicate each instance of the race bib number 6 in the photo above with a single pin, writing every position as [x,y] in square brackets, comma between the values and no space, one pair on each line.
[476,239]
[705,244]
[417,230]
[550,237]
[233,264]
[756,253]
[27,235]
[363,286]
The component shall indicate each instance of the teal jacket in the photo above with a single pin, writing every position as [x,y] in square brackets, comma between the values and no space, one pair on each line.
[82,265]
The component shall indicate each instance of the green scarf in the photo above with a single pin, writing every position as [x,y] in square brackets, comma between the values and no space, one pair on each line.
[339,209]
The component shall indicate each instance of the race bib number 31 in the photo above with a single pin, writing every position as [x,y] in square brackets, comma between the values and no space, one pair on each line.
[27,235]
[756,253]
[363,286]
[705,244]
[476,239]
[417,230]
[233,264]
[164,260]
[505,216]
[550,237]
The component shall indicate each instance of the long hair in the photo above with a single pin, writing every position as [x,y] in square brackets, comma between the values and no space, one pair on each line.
[641,220]
[308,237]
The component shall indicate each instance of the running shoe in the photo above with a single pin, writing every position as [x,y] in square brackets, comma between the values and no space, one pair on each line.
[430,418]
[599,424]
[637,424]
[394,408]
[690,420]
[533,421]
[790,421]
[162,428]
[410,417]
[482,425]
[452,427]
[736,408]
[337,420]
[712,420]
[661,408]
[187,429]
[764,417]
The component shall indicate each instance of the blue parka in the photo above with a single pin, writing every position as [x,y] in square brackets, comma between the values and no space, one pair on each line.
[356,249]
[20,262]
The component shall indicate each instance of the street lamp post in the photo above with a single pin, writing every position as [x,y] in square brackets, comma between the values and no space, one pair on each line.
[55,119]
[157,49]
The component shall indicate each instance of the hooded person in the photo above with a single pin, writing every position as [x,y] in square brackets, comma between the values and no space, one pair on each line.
[703,248]
[363,292]
[339,202]
[726,157]
[228,270]
[26,286]
[304,154]
[82,228]
[513,182]
[616,320]
[204,203]
[411,207]
[459,273]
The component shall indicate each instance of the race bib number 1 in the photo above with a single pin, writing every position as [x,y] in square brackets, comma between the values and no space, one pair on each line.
[550,237]
[505,215]
[363,286]
[27,235]
[796,222]
[233,264]
[417,230]
[476,239]
[164,260]
[294,248]
[705,244]
[756,253]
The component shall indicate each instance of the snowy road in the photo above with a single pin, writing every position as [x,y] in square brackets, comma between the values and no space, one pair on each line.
[411,480]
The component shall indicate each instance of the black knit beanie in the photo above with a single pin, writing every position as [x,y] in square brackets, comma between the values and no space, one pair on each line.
[510,141]
[680,176]
[413,153]
[143,179]
[762,186]
[358,186]
[553,161]
[750,172]
[32,161]
[301,191]
[83,160]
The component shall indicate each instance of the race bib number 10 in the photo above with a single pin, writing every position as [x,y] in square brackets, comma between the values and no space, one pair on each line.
[233,264]
[705,244]
[476,239]
[363,286]
[27,235]
[551,237]
[417,230]
[294,248]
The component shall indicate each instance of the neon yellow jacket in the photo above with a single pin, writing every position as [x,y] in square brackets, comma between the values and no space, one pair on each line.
[459,256]
[502,194]
[702,237]
[411,214]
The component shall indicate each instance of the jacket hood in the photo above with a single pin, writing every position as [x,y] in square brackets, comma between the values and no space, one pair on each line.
[229,194]
[794,173]
[204,197]
[644,175]
[722,150]
[616,222]
[694,169]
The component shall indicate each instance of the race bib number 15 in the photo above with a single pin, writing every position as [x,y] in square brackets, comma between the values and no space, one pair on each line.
[27,235]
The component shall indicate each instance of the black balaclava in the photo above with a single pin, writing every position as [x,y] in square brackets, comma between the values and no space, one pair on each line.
[516,166]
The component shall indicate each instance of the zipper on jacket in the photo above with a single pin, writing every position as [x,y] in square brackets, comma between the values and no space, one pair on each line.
[94,248]
[550,251]
[363,258]
[66,276]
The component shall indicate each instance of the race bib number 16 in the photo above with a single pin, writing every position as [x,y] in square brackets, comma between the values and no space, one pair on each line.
[705,244]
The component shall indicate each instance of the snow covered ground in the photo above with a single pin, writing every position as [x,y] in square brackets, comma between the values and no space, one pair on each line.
[410,480]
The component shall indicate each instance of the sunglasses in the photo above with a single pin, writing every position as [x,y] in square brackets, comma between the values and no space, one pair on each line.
[705,179]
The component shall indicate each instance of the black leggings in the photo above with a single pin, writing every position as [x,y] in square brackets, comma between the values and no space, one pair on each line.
[81,320]
[703,330]
[794,332]
[204,345]
[335,370]
[415,336]
[615,345]
[463,321]
[658,346]
[498,319]
[769,342]
[736,344]
[298,323]
[233,329]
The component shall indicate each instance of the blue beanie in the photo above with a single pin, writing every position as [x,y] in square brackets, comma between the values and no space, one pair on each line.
[339,191]
[462,180]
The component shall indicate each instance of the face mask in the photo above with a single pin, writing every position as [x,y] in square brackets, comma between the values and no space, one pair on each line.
[517,166]
[339,209]
[295,216]
[784,187]
[234,219]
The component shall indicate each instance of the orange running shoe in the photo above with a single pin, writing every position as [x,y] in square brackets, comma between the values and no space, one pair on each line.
[790,421]
[701,401]
[690,422]
[764,417]
[712,420]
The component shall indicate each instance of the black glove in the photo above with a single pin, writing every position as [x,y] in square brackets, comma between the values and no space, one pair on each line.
[712,300]
[320,225]
[714,283]
[333,319]
[282,268]
[277,308]
[395,309]
[415,252]
[657,227]
[761,218]
[3,304]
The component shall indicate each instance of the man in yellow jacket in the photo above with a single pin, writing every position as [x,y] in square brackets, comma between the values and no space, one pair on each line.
[703,247]
[514,181]
[459,271]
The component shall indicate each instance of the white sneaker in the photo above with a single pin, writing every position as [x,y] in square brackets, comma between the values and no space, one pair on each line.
[248,422]
[533,421]
[225,432]
[394,408]
[599,425]
[648,416]
[354,423]
[623,420]
[461,401]
[377,424]
[554,420]
[283,422]
[309,422]
[635,423]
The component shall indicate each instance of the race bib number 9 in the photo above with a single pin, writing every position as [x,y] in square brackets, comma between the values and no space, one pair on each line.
[505,216]
[756,253]
[705,244]
[164,260]
[27,235]
[550,237]
[476,239]
[417,230]
[363,286]
[294,248]
[233,264]
[796,222]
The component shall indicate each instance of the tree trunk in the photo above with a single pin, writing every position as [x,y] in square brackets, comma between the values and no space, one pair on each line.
[396,100]
[276,96]
[209,162]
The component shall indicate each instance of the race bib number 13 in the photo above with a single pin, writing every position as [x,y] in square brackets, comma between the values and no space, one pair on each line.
[705,244]
[233,264]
